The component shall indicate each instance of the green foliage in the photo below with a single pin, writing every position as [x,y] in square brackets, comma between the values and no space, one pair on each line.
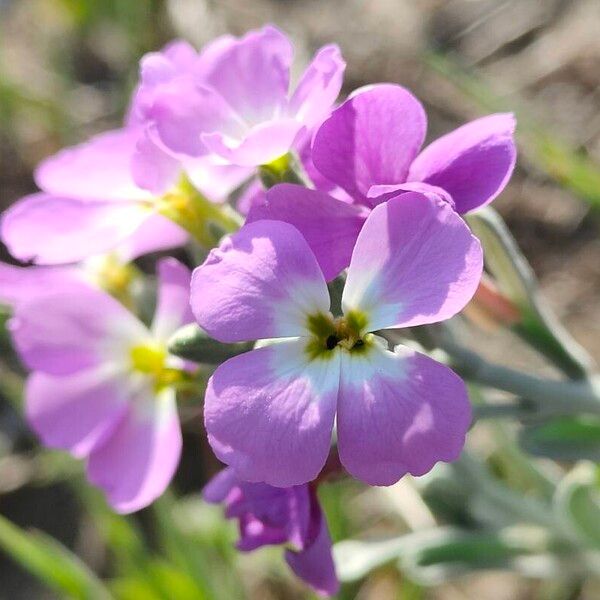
[52,563]
[567,438]
[578,503]
[515,278]
[193,343]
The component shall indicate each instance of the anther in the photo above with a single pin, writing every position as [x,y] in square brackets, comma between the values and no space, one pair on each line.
[331,342]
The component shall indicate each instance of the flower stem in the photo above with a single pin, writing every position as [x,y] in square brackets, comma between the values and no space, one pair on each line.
[548,396]
[206,221]
[285,169]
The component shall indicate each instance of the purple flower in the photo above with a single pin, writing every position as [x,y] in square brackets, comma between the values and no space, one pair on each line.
[89,205]
[269,413]
[369,147]
[272,516]
[101,382]
[105,194]
[166,106]
[18,285]
[233,101]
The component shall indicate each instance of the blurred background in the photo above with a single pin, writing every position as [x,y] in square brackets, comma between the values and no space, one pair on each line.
[66,70]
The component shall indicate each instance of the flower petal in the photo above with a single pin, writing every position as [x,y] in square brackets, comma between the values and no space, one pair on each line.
[415,262]
[154,234]
[383,193]
[213,178]
[269,413]
[371,139]
[152,167]
[22,284]
[254,194]
[54,230]
[173,307]
[262,282]
[65,331]
[250,73]
[219,487]
[399,412]
[177,58]
[260,145]
[78,411]
[182,109]
[314,565]
[329,226]
[98,169]
[473,163]
[318,87]
[137,462]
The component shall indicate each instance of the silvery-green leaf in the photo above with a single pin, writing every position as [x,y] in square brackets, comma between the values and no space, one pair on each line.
[577,503]
[565,438]
[192,343]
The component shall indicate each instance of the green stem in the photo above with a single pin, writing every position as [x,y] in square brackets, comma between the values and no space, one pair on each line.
[550,397]
[538,326]
[11,387]
[206,221]
[285,169]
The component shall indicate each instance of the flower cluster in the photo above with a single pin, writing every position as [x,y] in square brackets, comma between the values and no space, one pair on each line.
[326,192]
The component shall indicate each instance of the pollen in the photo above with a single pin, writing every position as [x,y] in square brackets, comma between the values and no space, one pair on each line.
[149,359]
[328,333]
[152,360]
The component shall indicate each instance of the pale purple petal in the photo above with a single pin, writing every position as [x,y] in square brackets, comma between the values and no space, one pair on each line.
[269,413]
[136,463]
[63,332]
[173,306]
[261,282]
[22,284]
[260,145]
[154,234]
[250,73]
[175,59]
[415,262]
[76,412]
[152,167]
[398,412]
[98,169]
[329,226]
[253,195]
[383,193]
[54,230]
[371,139]
[182,110]
[268,515]
[473,163]
[213,178]
[318,87]
[219,487]
[314,565]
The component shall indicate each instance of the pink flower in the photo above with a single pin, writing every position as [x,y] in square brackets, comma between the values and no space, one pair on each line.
[100,386]
[234,100]
[369,147]
[269,413]
[105,194]
[19,285]
[89,205]
[165,107]
[273,516]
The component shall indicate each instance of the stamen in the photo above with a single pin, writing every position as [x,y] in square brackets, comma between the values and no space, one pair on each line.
[331,342]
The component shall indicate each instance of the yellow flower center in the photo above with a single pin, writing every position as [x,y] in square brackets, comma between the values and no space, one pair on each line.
[329,333]
[206,221]
[151,359]
[114,276]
